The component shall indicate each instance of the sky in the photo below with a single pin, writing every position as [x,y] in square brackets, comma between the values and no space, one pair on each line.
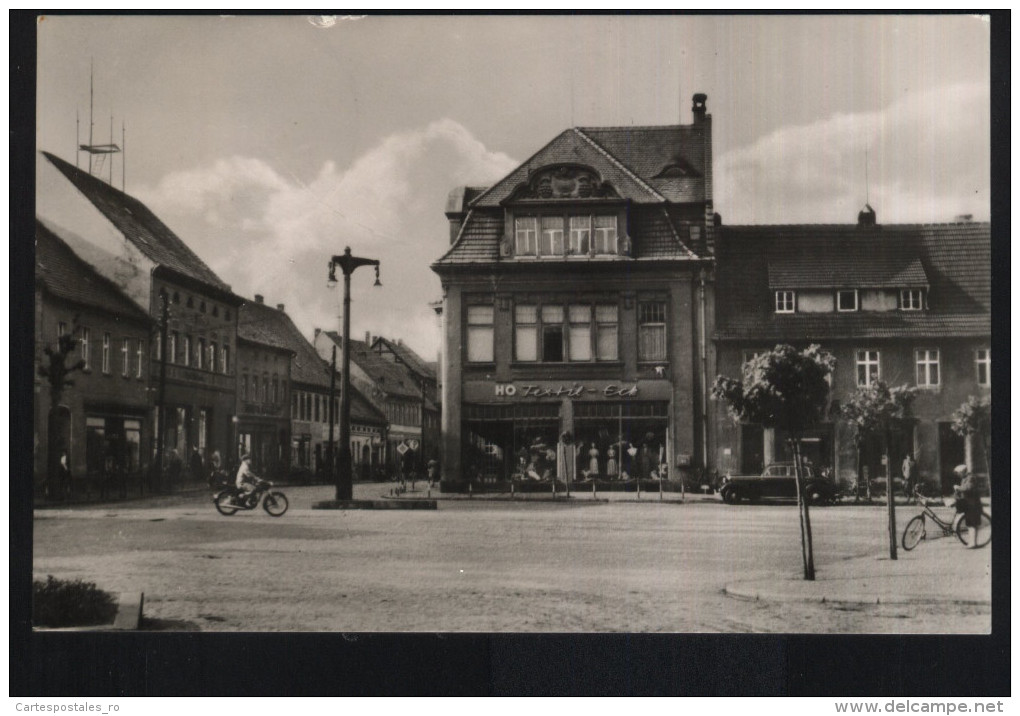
[268,144]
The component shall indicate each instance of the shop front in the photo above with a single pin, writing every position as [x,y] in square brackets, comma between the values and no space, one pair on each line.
[577,431]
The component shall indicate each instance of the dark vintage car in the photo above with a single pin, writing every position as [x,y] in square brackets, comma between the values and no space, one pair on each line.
[777,482]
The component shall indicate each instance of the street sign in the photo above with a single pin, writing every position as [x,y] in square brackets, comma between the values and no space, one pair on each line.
[401,448]
[412,444]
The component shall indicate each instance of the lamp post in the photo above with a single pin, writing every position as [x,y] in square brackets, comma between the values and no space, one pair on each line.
[347,264]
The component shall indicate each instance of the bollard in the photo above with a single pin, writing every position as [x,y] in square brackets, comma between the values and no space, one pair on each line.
[660,489]
[471,492]
[554,488]
[511,489]
[639,487]
[593,489]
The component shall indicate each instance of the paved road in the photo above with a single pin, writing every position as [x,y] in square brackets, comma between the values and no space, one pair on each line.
[474,566]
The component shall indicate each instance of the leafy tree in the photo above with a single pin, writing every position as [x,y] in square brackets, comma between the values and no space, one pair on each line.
[873,410]
[975,418]
[786,389]
[56,368]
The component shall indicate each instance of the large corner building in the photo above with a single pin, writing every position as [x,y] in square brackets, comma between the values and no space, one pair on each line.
[576,307]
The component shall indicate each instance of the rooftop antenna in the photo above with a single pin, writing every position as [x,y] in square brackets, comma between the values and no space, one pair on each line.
[867,187]
[77,136]
[123,159]
[100,151]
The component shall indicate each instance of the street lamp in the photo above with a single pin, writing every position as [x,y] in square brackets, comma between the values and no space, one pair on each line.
[347,264]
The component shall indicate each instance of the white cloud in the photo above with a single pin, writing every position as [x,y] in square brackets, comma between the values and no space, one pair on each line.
[928,161]
[273,235]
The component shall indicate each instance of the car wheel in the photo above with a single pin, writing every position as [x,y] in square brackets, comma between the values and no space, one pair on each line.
[730,496]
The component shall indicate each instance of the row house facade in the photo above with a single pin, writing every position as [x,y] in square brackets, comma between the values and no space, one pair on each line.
[394,391]
[127,244]
[101,423]
[591,297]
[575,306]
[311,386]
[425,377]
[905,304]
[263,388]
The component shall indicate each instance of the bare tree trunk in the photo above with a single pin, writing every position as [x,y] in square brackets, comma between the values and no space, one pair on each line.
[806,547]
[890,495]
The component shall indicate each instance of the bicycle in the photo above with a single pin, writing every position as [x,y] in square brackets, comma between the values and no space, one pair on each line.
[916,529]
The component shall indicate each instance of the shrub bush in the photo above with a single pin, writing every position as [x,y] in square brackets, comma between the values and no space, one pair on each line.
[62,603]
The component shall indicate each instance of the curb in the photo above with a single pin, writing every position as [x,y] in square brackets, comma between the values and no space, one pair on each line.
[383,504]
[758,592]
[129,611]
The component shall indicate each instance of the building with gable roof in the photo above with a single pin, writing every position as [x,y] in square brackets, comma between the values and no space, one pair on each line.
[264,358]
[907,304]
[309,412]
[575,308]
[392,389]
[425,377]
[102,421]
[127,244]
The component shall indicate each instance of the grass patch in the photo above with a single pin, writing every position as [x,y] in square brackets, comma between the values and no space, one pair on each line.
[65,603]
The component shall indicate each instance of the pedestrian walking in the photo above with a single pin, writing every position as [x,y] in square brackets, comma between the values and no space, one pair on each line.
[909,476]
[195,465]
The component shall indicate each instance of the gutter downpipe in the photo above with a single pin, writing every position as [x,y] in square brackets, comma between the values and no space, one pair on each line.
[704,373]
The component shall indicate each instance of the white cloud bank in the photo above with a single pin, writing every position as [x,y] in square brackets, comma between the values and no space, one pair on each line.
[928,161]
[273,235]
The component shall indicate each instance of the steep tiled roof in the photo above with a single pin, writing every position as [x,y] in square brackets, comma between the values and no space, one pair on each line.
[654,236]
[139,225]
[868,266]
[306,367]
[671,159]
[572,147]
[954,258]
[67,276]
[259,323]
[391,378]
[414,362]
[478,241]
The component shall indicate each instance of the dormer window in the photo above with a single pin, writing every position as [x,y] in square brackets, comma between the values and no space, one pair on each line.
[605,234]
[559,235]
[579,243]
[550,243]
[911,299]
[785,301]
[846,300]
[526,236]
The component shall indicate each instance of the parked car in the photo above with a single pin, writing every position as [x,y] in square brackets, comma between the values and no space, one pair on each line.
[777,481]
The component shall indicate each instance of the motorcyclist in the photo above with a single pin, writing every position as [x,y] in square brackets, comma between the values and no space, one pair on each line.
[246,480]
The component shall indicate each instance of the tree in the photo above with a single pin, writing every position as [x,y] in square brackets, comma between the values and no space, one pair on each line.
[975,418]
[873,410]
[786,389]
[55,369]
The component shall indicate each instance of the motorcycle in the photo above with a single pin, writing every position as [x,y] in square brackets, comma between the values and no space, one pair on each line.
[230,500]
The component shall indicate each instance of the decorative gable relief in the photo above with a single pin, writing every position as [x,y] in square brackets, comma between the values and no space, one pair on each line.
[565,182]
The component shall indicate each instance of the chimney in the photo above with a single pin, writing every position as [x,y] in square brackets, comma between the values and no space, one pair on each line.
[317,332]
[698,107]
[455,210]
[866,216]
[279,307]
[258,298]
[368,338]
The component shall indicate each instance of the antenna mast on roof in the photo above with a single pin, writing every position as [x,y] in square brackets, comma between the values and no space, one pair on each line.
[867,187]
[100,151]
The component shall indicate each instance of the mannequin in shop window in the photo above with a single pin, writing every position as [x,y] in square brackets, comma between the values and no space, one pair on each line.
[593,461]
[566,457]
[612,468]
